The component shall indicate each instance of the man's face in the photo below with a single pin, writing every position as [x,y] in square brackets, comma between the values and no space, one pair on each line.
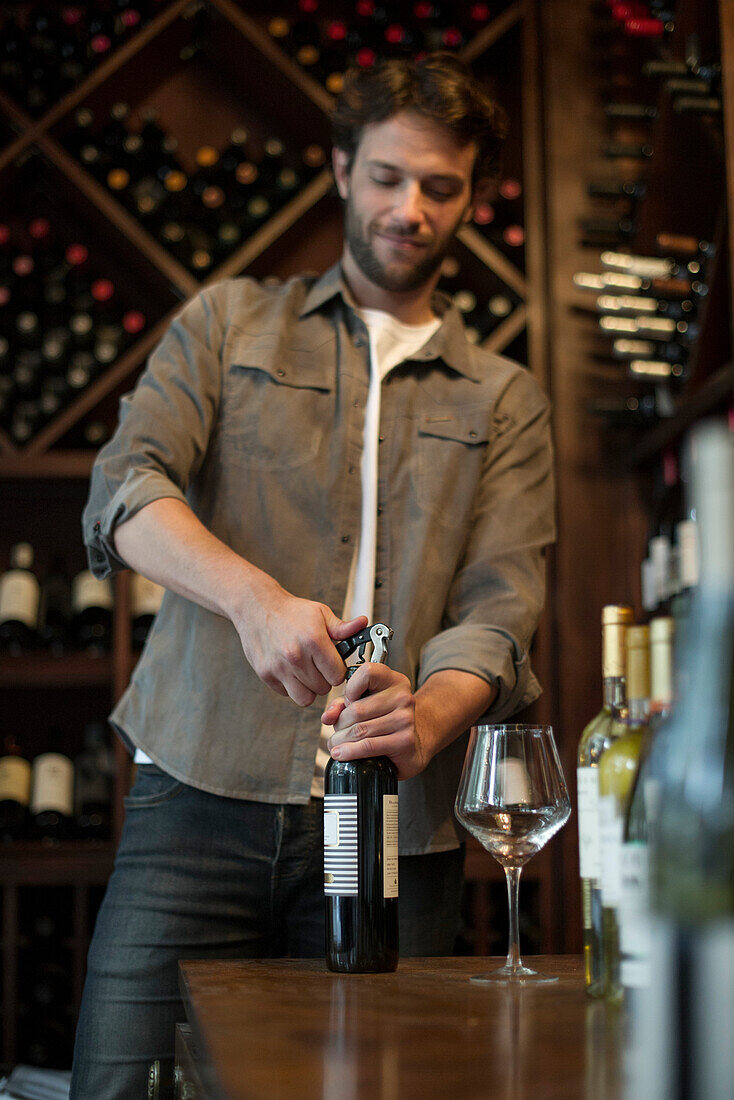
[408,191]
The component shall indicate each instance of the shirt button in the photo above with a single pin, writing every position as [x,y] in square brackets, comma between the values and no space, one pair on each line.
[352,469]
[378,583]
[379,510]
[381,439]
[281,373]
[345,538]
[472,435]
[355,404]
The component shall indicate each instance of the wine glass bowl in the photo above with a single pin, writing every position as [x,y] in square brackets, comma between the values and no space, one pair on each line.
[513,798]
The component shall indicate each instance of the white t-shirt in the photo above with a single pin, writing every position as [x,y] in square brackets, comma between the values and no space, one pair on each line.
[391,342]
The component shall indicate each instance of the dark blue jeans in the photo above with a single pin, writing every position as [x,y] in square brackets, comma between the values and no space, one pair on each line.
[199,876]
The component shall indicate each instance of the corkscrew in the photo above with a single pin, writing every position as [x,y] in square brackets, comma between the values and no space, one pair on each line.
[378,634]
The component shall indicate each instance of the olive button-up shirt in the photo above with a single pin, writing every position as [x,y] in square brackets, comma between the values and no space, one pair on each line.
[251,410]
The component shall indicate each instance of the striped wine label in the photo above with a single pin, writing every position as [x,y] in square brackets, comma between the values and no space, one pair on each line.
[341,874]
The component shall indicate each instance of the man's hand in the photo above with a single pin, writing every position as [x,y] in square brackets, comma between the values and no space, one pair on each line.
[289,642]
[376,717]
[393,721]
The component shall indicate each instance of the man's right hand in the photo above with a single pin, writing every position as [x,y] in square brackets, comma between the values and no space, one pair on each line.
[290,642]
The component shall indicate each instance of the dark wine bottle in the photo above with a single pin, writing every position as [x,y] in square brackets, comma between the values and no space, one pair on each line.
[91,602]
[360,865]
[93,776]
[361,854]
[54,612]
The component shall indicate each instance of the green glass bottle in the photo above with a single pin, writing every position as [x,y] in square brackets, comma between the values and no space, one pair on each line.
[634,929]
[596,737]
[617,771]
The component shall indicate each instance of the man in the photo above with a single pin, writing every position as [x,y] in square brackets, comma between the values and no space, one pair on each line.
[293,462]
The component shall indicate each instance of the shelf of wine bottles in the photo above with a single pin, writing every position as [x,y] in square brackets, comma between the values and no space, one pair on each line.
[201,185]
[325,39]
[68,311]
[55,797]
[48,49]
[655,238]
[60,617]
[201,207]
[54,924]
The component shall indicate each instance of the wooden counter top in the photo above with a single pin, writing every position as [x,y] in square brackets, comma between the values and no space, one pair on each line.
[281,1028]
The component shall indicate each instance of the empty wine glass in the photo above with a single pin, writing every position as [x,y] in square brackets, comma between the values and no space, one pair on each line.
[512,797]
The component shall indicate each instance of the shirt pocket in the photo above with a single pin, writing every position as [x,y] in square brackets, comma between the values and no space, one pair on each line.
[275,404]
[450,452]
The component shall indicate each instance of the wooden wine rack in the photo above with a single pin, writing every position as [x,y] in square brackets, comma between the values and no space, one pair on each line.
[534,54]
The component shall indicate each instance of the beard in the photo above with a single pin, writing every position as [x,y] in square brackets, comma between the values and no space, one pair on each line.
[396,276]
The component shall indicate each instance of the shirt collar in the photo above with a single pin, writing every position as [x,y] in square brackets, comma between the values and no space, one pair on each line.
[448,342]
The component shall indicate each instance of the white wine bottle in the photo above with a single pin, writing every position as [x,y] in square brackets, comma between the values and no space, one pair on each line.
[595,738]
[634,929]
[52,796]
[681,1023]
[15,792]
[361,850]
[617,771]
[19,598]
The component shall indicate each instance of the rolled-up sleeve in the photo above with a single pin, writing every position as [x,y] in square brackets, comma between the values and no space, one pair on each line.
[497,594]
[163,431]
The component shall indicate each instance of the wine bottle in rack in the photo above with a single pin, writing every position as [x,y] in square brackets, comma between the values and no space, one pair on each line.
[19,599]
[361,851]
[54,611]
[501,220]
[52,796]
[15,792]
[94,769]
[91,605]
[595,738]
[617,769]
[62,323]
[634,942]
[44,1040]
[631,112]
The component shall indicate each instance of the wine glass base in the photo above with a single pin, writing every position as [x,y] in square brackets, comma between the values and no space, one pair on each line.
[512,975]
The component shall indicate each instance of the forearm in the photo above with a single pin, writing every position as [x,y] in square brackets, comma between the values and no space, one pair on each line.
[288,641]
[449,702]
[166,542]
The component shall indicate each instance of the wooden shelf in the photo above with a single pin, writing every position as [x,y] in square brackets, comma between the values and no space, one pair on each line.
[716,392]
[55,863]
[61,464]
[70,670]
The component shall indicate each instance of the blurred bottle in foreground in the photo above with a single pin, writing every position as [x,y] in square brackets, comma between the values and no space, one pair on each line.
[680,1027]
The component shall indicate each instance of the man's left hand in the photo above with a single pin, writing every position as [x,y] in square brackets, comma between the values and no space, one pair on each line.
[376,717]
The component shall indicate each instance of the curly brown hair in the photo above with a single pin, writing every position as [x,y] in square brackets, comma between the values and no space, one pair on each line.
[439,87]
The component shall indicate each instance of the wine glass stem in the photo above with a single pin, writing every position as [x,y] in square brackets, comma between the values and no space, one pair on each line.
[512,875]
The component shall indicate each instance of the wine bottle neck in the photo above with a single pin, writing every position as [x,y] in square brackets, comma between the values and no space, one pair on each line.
[615,692]
[638,710]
